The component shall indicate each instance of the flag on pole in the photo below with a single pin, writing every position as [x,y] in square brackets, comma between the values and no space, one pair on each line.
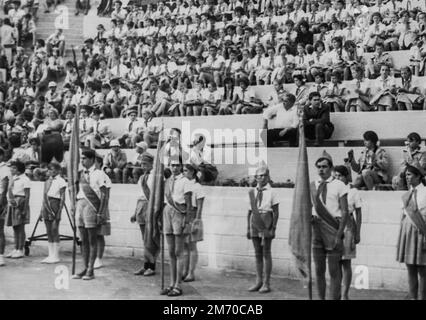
[72,174]
[156,201]
[300,221]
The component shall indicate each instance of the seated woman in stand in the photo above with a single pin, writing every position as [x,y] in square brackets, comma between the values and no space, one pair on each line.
[229,98]
[335,93]
[408,94]
[358,99]
[194,99]
[247,101]
[320,58]
[385,87]
[211,98]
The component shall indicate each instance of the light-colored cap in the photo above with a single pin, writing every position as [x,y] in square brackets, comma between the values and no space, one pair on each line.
[114,143]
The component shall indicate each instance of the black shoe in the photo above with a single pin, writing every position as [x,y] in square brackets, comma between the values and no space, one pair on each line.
[90,275]
[139,272]
[79,275]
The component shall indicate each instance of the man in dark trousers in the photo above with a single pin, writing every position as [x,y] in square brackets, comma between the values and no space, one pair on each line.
[91,202]
[329,218]
[286,120]
[316,119]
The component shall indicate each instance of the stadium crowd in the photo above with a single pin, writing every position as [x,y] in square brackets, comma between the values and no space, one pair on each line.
[186,58]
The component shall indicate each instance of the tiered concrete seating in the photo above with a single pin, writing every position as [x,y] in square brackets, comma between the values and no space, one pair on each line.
[247,128]
[400,58]
[239,163]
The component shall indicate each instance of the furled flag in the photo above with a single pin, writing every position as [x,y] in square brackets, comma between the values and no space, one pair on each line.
[300,221]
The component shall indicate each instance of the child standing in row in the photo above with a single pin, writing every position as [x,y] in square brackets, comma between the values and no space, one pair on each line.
[18,211]
[53,203]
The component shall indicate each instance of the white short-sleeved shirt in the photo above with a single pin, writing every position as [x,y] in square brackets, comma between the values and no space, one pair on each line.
[20,183]
[4,173]
[354,200]
[57,184]
[421,198]
[108,182]
[179,188]
[335,190]
[245,96]
[269,198]
[149,183]
[85,124]
[197,191]
[179,96]
[96,182]
[283,118]
[211,96]
[216,62]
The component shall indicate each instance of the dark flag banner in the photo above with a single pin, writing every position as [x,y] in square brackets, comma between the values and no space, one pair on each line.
[72,173]
[156,201]
[300,221]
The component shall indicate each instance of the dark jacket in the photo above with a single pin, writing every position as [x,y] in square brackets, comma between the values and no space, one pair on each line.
[321,115]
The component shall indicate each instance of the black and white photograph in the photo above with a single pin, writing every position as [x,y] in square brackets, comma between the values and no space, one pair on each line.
[240,150]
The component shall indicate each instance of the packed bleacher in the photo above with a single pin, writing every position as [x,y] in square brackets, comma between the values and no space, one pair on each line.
[216,64]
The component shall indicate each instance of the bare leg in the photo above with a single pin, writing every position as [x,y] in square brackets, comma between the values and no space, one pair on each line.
[413,283]
[55,230]
[335,275]
[186,260]
[101,246]
[267,256]
[319,256]
[49,230]
[346,278]
[22,237]
[258,253]
[2,237]
[85,250]
[172,254]
[193,260]
[179,240]
[92,234]
[422,283]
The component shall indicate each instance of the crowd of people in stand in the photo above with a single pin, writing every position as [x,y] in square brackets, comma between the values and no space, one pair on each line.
[204,58]
[193,58]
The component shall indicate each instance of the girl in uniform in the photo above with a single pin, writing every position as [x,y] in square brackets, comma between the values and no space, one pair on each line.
[352,231]
[195,224]
[261,224]
[411,247]
[53,203]
[104,228]
[408,94]
[18,211]
[145,183]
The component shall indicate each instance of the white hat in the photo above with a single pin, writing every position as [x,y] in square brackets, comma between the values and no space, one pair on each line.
[262,168]
[114,143]
[52,84]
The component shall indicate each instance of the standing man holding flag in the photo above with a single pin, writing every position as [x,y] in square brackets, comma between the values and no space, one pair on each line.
[90,209]
[329,219]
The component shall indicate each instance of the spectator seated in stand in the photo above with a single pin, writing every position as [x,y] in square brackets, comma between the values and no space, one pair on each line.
[286,120]
[372,165]
[413,153]
[114,162]
[316,120]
